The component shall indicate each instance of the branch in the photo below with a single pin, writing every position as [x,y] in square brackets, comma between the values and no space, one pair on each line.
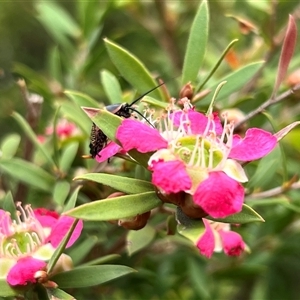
[274,192]
[268,103]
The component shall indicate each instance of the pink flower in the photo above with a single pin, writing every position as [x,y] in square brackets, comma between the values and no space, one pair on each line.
[64,129]
[218,236]
[28,242]
[195,154]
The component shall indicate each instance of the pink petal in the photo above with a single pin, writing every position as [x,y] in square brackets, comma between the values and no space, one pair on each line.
[47,218]
[199,123]
[171,176]
[135,135]
[206,243]
[60,230]
[109,151]
[233,243]
[24,270]
[219,195]
[256,144]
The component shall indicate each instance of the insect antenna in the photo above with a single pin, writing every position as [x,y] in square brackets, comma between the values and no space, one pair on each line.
[136,111]
[143,95]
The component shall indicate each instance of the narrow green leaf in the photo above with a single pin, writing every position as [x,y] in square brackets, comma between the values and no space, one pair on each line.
[72,200]
[28,172]
[75,114]
[57,22]
[55,65]
[9,146]
[81,250]
[214,69]
[67,157]
[154,102]
[116,208]
[132,69]
[6,290]
[58,294]
[105,120]
[32,136]
[9,205]
[111,87]
[139,239]
[60,249]
[101,260]
[247,215]
[266,169]
[235,81]
[61,191]
[120,183]
[81,99]
[196,45]
[90,276]
[269,201]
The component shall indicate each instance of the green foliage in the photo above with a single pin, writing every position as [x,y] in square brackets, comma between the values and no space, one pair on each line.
[60,50]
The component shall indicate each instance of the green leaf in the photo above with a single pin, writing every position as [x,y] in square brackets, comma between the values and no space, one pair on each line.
[9,146]
[72,200]
[75,114]
[101,260]
[29,173]
[55,65]
[90,276]
[57,22]
[81,250]
[116,208]
[60,249]
[67,157]
[139,239]
[9,205]
[214,69]
[282,200]
[196,45]
[58,294]
[105,120]
[247,215]
[154,102]
[6,290]
[235,81]
[111,87]
[61,191]
[32,136]
[81,99]
[266,169]
[132,69]
[120,183]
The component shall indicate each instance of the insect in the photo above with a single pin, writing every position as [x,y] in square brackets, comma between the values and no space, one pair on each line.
[98,139]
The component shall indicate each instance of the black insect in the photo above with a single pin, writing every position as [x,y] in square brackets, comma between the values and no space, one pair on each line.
[98,140]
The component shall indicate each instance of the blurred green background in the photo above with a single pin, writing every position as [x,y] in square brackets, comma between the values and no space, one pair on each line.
[58,45]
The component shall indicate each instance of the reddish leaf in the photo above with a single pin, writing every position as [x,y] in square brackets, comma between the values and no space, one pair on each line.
[283,132]
[286,52]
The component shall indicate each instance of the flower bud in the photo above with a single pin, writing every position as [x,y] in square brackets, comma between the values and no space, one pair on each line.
[136,223]
[186,91]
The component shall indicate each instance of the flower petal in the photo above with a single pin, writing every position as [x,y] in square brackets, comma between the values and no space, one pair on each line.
[134,134]
[107,152]
[206,243]
[256,144]
[24,270]
[233,243]
[47,218]
[219,195]
[60,230]
[171,176]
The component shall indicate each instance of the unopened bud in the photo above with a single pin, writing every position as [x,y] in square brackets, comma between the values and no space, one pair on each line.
[187,91]
[136,223]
